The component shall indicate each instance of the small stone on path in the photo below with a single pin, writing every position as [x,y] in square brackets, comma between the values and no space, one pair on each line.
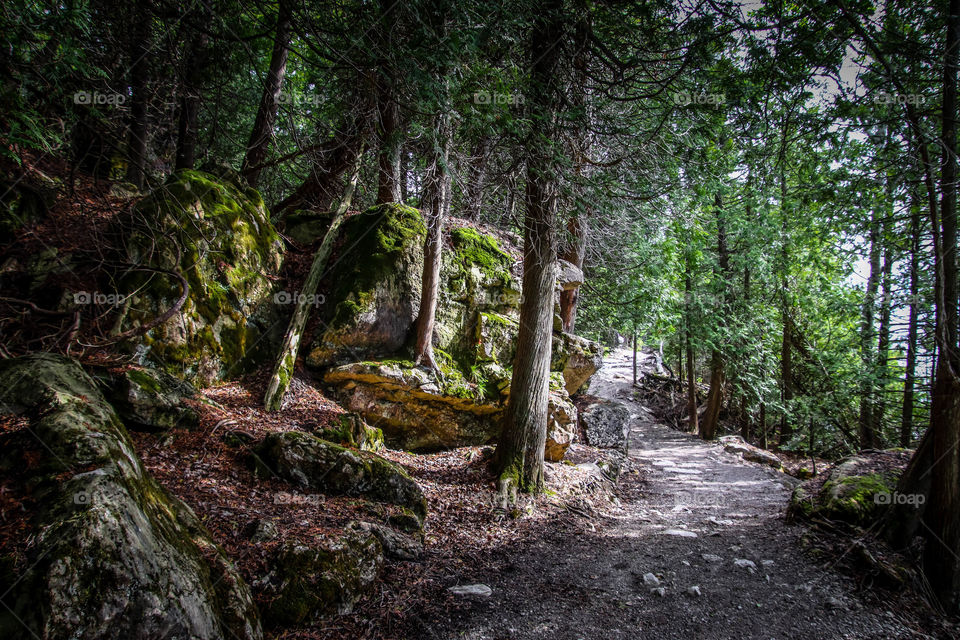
[480,590]
[680,533]
[693,591]
[651,580]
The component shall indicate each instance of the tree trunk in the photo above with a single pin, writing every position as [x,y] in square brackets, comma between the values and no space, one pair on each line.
[477,177]
[283,371]
[259,143]
[786,354]
[139,86]
[883,340]
[691,374]
[711,418]
[388,158]
[940,559]
[519,454]
[436,197]
[910,375]
[193,75]
[574,253]
[868,347]
[634,357]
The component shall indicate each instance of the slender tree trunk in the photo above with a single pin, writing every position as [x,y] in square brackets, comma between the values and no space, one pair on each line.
[388,159]
[193,75]
[910,375]
[691,374]
[573,253]
[283,371]
[139,86]
[883,340]
[940,556]
[519,454]
[259,143]
[477,173]
[867,421]
[786,352]
[634,357]
[711,417]
[436,197]
[763,425]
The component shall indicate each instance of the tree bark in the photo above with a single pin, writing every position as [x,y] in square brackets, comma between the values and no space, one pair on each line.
[477,173]
[711,417]
[910,374]
[942,513]
[283,371]
[691,374]
[139,85]
[519,455]
[866,422]
[190,99]
[883,339]
[573,253]
[435,202]
[259,143]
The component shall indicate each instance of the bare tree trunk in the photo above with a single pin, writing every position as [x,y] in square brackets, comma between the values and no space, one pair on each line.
[435,203]
[477,177]
[883,340]
[634,357]
[711,418]
[910,375]
[519,454]
[259,144]
[940,556]
[283,371]
[193,74]
[573,253]
[867,421]
[141,39]
[388,133]
[786,352]
[691,374]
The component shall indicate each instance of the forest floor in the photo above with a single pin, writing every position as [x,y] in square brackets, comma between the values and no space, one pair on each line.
[710,529]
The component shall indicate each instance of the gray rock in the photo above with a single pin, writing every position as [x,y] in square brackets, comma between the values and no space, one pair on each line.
[307,582]
[659,591]
[693,591]
[651,580]
[261,530]
[396,545]
[150,400]
[710,557]
[736,445]
[117,556]
[606,424]
[742,563]
[569,275]
[310,462]
[679,533]
[471,590]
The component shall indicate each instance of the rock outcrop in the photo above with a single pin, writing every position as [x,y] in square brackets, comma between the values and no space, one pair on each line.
[309,462]
[149,400]
[115,556]
[372,308]
[309,581]
[606,424]
[216,233]
[857,491]
[737,446]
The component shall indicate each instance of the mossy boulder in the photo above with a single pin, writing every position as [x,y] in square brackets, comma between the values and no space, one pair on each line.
[305,226]
[115,556]
[329,577]
[307,461]
[856,491]
[349,429]
[577,358]
[418,411]
[150,400]
[375,286]
[216,233]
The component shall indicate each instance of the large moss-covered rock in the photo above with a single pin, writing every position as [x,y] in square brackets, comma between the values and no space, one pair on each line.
[578,359]
[216,232]
[856,491]
[375,286]
[115,556]
[418,411]
[309,581]
[150,400]
[310,462]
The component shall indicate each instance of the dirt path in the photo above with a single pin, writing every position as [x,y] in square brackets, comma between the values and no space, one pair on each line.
[693,516]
